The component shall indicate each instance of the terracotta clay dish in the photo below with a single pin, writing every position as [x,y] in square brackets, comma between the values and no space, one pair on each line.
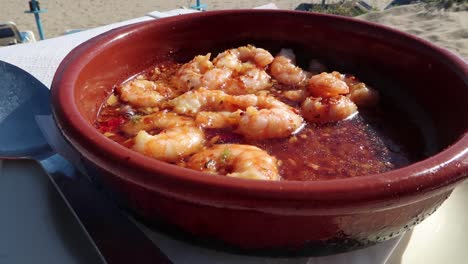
[370,177]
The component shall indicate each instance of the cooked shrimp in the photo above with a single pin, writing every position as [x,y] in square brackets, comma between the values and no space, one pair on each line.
[215,78]
[274,119]
[255,79]
[234,160]
[202,99]
[230,74]
[233,58]
[179,136]
[284,70]
[361,94]
[172,144]
[247,64]
[228,59]
[259,56]
[324,110]
[295,95]
[250,81]
[221,119]
[155,121]
[189,76]
[237,71]
[144,93]
[327,85]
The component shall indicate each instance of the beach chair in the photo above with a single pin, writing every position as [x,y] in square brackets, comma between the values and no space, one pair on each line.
[10,35]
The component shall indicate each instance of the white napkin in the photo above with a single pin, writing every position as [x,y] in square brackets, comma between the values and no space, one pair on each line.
[42,58]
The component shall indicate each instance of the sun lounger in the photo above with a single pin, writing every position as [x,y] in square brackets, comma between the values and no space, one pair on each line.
[10,35]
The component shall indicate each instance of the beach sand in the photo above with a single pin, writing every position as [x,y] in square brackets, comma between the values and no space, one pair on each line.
[80,14]
[444,27]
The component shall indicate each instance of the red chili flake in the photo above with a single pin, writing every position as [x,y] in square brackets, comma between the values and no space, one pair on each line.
[111,124]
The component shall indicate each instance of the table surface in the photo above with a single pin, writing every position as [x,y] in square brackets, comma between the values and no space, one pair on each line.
[37,227]
[34,219]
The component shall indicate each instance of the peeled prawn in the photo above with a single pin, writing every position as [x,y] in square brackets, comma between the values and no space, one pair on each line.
[215,78]
[259,56]
[327,85]
[295,95]
[144,93]
[203,99]
[360,93]
[233,58]
[250,81]
[179,136]
[235,160]
[171,144]
[200,72]
[269,118]
[237,71]
[363,95]
[262,116]
[324,110]
[228,59]
[222,119]
[247,64]
[284,70]
[157,120]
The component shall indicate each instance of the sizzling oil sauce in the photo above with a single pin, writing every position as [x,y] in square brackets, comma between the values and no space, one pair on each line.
[373,141]
[349,148]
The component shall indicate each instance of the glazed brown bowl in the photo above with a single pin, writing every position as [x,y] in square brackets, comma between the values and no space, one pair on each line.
[324,216]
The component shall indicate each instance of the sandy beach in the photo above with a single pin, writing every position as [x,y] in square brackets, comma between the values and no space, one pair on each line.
[445,27]
[77,14]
